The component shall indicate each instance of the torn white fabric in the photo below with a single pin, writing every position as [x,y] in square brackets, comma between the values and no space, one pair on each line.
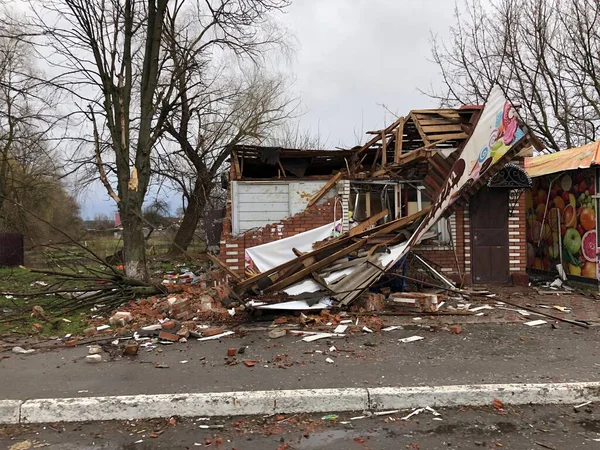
[275,253]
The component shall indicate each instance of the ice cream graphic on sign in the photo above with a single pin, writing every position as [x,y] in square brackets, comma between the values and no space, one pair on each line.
[505,133]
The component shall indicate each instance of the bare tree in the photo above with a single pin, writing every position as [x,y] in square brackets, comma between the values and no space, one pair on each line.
[110,57]
[543,53]
[242,110]
[222,102]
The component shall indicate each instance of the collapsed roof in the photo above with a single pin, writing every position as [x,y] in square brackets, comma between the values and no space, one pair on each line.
[462,150]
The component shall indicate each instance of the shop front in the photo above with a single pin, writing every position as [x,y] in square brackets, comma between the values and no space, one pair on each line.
[562,213]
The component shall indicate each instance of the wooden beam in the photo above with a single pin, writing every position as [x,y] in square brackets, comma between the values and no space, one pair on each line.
[383,149]
[368,223]
[378,136]
[332,245]
[285,282]
[447,137]
[324,189]
[237,172]
[442,128]
[221,264]
[424,137]
[399,140]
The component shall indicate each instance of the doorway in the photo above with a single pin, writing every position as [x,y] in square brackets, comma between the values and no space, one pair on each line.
[489,236]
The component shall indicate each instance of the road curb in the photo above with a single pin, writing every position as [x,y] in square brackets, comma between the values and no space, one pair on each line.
[289,401]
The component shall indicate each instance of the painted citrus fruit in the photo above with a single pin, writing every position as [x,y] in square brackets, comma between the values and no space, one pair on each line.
[569,217]
[587,219]
[588,245]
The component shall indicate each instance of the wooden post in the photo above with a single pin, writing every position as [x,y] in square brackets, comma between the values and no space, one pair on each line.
[399,139]
[383,149]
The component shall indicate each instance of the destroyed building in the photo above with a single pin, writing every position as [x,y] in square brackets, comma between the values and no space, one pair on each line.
[402,174]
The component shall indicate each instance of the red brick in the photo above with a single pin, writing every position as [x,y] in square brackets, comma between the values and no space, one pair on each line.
[456,329]
[212,332]
[168,336]
[168,325]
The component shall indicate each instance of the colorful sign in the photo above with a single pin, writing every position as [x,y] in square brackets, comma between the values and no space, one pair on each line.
[561,222]
[497,131]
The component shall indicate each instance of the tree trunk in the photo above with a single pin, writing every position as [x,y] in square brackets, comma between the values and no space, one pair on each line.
[134,244]
[191,217]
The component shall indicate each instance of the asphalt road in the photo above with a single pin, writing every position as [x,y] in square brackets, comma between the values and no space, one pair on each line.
[509,353]
[538,428]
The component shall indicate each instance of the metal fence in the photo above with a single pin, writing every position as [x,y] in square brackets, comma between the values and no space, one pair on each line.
[11,249]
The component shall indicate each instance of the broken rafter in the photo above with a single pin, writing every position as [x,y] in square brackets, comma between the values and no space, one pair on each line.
[285,282]
[368,223]
[221,264]
[325,189]
[333,245]
[399,140]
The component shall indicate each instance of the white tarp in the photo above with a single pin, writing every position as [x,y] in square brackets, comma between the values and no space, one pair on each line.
[275,253]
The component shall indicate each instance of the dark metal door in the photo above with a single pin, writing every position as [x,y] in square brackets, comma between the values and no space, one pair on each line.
[489,236]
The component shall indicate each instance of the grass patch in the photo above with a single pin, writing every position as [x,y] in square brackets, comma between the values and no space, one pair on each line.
[15,310]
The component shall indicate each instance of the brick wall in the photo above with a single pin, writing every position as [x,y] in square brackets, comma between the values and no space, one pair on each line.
[233,248]
[517,243]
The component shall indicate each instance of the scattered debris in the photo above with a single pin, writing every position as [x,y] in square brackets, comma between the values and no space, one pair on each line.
[535,323]
[22,351]
[277,333]
[341,329]
[95,358]
[582,405]
[411,339]
[216,336]
[94,350]
[329,360]
[131,348]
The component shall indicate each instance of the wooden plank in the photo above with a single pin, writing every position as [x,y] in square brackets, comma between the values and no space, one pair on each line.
[440,121]
[399,140]
[442,128]
[383,149]
[221,264]
[424,137]
[285,282]
[333,244]
[368,203]
[237,172]
[434,111]
[378,136]
[325,189]
[367,223]
[447,137]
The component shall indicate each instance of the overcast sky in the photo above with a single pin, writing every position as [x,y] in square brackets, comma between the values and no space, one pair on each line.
[351,57]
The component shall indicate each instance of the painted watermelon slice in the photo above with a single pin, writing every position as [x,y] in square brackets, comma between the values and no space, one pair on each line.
[588,245]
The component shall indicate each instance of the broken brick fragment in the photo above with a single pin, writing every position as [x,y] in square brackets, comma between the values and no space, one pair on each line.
[212,332]
[168,325]
[456,329]
[166,336]
[231,352]
[71,343]
[183,332]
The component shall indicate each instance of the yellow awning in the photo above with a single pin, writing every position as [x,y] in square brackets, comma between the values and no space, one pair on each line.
[574,158]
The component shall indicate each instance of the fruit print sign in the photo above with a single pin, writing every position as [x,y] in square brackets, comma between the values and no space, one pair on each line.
[562,216]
